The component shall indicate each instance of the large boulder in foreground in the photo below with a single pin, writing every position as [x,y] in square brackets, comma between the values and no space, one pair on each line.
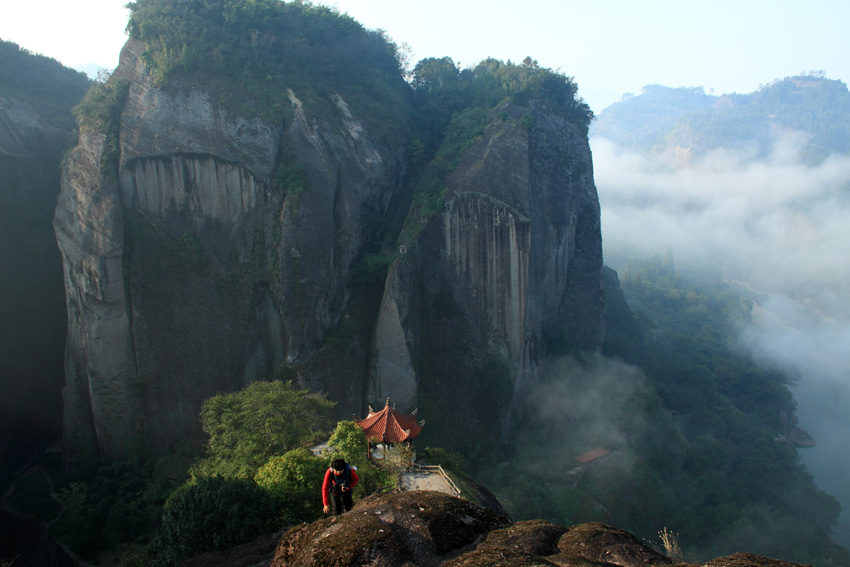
[407,528]
[425,528]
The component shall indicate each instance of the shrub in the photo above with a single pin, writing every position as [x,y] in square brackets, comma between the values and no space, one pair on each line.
[295,481]
[212,514]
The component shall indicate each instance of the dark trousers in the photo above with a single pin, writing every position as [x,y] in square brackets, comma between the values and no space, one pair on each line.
[341,502]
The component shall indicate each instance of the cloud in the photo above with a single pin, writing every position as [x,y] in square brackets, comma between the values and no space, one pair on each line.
[776,226]
[589,403]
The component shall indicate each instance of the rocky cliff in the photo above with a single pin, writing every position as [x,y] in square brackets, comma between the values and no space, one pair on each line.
[190,270]
[511,265]
[423,528]
[36,96]
[207,245]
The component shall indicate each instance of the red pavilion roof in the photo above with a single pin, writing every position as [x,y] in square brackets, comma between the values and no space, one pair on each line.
[389,425]
[592,455]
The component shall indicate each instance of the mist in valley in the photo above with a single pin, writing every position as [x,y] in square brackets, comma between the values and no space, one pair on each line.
[778,229]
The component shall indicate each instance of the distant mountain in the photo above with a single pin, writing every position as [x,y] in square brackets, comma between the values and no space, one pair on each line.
[662,118]
[643,122]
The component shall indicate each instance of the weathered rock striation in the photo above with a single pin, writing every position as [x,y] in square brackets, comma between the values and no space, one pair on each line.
[512,262]
[190,271]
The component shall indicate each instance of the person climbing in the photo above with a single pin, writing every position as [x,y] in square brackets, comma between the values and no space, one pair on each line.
[340,480]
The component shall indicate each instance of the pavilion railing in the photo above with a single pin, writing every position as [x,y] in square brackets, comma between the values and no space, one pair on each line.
[439,470]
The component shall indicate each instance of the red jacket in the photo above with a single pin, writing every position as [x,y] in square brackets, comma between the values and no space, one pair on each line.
[330,479]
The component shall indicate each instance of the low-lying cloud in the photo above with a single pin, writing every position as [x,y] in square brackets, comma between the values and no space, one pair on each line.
[777,226]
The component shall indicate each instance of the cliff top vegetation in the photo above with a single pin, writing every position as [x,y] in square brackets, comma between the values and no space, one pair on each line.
[36,77]
[259,48]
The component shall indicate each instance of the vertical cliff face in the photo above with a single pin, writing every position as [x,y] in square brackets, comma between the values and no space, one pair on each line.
[511,266]
[36,123]
[191,269]
[33,135]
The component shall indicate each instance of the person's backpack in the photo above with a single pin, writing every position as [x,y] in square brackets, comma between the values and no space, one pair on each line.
[342,480]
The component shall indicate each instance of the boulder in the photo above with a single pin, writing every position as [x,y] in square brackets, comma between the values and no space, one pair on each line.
[407,528]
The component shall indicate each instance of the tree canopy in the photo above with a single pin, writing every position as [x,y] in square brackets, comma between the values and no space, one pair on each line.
[36,77]
[248,427]
[262,47]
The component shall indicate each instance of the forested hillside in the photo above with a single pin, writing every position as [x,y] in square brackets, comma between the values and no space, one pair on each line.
[809,105]
[699,434]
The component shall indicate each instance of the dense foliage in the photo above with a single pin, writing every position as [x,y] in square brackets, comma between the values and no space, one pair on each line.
[38,78]
[122,502]
[809,104]
[212,514]
[294,479]
[454,106]
[248,427]
[251,51]
[693,424]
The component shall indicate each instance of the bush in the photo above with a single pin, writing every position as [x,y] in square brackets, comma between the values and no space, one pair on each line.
[295,481]
[212,514]
[122,502]
[248,427]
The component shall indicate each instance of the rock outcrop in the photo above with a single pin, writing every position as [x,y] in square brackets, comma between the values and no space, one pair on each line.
[513,261]
[414,528]
[191,271]
[421,528]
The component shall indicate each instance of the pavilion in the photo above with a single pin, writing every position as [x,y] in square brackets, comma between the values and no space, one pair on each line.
[389,426]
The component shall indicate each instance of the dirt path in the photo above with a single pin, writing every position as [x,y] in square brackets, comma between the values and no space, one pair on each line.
[424,480]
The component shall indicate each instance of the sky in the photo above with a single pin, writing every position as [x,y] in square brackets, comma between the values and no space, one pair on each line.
[610,47]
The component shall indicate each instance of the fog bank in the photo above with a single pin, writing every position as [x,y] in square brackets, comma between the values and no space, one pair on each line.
[778,227]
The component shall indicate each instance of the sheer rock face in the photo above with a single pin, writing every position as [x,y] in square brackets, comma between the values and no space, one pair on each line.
[33,135]
[513,259]
[189,273]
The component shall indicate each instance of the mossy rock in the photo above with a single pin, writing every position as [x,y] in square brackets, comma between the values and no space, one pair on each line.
[602,543]
[351,539]
[417,527]
[489,556]
[749,560]
[537,537]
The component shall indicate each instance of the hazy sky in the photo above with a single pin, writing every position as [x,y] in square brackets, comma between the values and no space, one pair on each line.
[610,46]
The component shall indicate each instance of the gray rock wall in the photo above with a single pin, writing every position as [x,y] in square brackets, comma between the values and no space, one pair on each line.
[514,257]
[194,274]
[33,135]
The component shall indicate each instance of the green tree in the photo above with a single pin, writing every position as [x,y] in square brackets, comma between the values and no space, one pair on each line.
[294,479]
[349,442]
[248,427]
